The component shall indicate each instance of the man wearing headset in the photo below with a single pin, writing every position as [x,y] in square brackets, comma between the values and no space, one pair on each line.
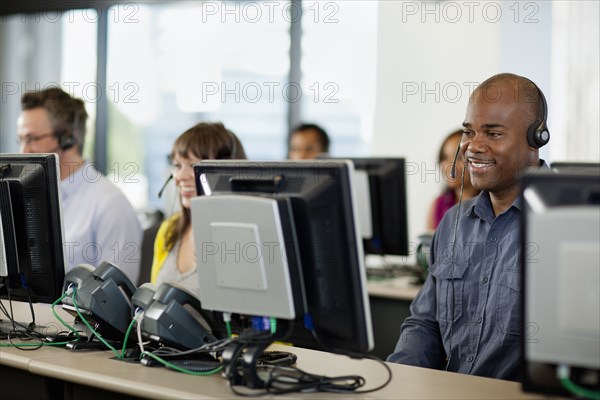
[99,222]
[467,317]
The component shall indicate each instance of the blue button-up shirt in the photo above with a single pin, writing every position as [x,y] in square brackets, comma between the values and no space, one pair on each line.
[467,316]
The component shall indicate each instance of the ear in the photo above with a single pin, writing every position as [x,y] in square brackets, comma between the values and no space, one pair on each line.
[533,156]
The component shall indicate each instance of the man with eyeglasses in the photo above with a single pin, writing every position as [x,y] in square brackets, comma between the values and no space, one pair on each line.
[99,222]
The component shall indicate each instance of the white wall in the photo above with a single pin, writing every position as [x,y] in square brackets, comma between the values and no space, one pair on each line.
[441,56]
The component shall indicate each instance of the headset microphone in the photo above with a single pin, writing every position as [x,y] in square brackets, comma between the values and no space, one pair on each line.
[162,189]
[453,169]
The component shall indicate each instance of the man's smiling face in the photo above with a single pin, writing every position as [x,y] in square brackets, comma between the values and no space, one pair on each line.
[495,129]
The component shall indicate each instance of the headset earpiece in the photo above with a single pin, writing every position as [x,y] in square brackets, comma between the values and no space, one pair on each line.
[66,138]
[538,134]
[66,141]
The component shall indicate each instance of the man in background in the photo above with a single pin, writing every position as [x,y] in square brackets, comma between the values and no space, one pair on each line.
[99,222]
[307,142]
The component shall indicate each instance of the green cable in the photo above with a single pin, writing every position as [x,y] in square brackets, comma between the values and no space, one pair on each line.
[227,320]
[59,318]
[578,390]
[119,356]
[175,367]
[127,337]
[273,324]
[228,326]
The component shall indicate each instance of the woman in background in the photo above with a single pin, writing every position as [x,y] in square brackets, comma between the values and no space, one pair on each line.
[174,251]
[451,193]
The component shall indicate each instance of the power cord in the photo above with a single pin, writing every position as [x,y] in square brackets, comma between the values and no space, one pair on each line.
[27,333]
[31,346]
[19,329]
[31,326]
[181,369]
[285,380]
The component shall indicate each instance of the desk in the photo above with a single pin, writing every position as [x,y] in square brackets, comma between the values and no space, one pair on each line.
[92,375]
[390,302]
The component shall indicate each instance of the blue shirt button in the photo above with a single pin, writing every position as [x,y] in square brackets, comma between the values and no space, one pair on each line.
[485,279]
[470,359]
[493,238]
[479,320]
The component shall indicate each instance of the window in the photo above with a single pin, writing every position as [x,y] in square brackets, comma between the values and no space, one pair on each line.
[43,50]
[171,65]
[339,41]
[186,63]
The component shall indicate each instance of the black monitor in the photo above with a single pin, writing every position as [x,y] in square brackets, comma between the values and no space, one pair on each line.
[585,168]
[561,283]
[388,211]
[324,232]
[31,251]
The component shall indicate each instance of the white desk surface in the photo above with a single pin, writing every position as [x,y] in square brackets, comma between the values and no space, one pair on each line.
[97,369]
[393,288]
[21,359]
[46,323]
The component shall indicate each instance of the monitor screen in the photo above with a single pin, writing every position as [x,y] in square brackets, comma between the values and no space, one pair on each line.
[325,234]
[33,264]
[387,205]
[561,281]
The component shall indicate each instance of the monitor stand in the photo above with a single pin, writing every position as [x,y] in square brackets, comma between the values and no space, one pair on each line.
[241,358]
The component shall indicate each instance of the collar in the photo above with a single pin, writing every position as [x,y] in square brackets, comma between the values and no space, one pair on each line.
[85,172]
[481,206]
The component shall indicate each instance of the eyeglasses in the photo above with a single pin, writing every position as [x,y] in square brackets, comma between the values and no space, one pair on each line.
[28,139]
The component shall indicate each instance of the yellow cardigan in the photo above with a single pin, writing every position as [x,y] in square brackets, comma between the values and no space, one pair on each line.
[160,250]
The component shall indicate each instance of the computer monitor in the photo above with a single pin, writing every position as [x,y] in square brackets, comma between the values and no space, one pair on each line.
[387,201]
[322,224]
[32,257]
[561,281]
[566,167]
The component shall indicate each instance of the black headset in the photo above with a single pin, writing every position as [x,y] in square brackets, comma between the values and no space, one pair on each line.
[66,141]
[538,134]
[66,138]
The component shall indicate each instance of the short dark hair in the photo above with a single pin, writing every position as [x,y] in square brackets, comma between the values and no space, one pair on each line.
[321,133]
[67,114]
